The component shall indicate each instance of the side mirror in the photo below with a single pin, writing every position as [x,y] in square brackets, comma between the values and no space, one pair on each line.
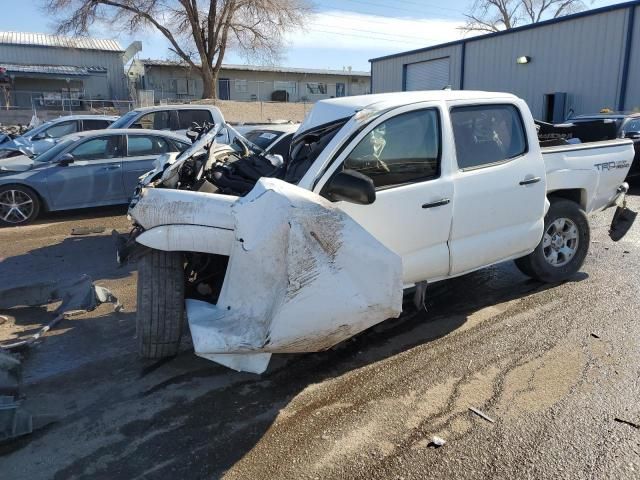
[39,136]
[632,135]
[350,186]
[65,159]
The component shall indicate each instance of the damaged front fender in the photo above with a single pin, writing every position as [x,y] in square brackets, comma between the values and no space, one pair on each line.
[302,275]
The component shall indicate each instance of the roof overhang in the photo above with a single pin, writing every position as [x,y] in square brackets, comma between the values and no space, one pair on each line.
[57,71]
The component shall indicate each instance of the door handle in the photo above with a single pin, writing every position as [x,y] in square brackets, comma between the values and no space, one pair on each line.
[530,181]
[438,203]
[111,167]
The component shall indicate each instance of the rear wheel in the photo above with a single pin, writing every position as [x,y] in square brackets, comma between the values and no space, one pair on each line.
[19,205]
[563,247]
[160,314]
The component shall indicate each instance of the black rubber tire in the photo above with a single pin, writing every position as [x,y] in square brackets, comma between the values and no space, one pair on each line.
[536,266]
[24,191]
[160,315]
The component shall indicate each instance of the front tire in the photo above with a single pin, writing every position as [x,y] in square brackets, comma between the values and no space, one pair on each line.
[160,313]
[563,247]
[19,205]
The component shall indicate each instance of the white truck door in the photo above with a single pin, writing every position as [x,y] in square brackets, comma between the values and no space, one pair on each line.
[500,186]
[402,152]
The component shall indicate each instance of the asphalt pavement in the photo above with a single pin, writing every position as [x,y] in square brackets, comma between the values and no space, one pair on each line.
[554,368]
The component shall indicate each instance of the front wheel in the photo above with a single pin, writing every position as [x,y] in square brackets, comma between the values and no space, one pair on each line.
[160,312]
[563,247]
[19,205]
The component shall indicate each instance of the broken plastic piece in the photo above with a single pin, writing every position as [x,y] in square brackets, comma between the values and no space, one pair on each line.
[437,441]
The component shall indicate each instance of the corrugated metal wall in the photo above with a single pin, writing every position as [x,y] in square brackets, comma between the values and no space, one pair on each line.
[112,61]
[633,81]
[387,75]
[582,57]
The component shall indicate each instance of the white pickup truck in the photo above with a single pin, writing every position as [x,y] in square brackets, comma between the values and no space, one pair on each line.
[380,193]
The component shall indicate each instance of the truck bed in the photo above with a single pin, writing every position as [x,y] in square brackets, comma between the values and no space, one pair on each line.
[595,170]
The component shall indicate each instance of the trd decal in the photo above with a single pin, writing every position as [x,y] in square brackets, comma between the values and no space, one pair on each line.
[612,165]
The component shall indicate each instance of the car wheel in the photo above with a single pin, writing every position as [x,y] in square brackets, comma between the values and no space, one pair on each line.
[563,247]
[19,205]
[160,313]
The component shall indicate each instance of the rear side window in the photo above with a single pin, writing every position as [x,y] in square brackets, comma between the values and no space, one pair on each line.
[95,124]
[403,149]
[187,117]
[141,145]
[162,120]
[487,134]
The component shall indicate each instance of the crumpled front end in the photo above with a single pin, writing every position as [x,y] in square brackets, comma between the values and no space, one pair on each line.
[302,275]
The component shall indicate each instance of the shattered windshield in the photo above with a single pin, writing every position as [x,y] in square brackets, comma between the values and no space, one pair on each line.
[306,147]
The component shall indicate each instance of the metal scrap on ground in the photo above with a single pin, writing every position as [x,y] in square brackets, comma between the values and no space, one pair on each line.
[482,414]
[78,294]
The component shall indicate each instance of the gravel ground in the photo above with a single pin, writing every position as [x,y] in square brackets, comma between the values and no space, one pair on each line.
[239,112]
[553,366]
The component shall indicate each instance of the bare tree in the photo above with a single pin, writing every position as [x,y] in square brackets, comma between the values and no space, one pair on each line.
[497,15]
[200,32]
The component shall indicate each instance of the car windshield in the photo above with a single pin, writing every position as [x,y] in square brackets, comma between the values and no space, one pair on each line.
[125,120]
[53,152]
[38,129]
[305,148]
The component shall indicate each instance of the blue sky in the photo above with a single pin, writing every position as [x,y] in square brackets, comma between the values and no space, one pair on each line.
[342,32]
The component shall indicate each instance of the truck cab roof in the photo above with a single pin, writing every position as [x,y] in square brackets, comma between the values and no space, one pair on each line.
[330,110]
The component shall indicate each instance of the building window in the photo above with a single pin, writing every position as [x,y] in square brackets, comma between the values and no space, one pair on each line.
[242,86]
[316,88]
[286,86]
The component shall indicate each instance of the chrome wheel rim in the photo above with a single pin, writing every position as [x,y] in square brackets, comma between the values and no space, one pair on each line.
[16,206]
[560,242]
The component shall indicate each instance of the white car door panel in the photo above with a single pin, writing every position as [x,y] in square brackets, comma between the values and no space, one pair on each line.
[402,152]
[500,188]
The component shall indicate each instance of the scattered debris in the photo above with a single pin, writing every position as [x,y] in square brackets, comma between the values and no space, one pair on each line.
[76,295]
[469,366]
[627,422]
[595,335]
[626,251]
[87,230]
[3,319]
[482,414]
[436,442]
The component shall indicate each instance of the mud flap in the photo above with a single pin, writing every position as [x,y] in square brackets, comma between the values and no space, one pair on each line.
[621,223]
[302,276]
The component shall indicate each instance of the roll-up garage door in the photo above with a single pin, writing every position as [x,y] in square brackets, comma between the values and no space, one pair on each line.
[429,75]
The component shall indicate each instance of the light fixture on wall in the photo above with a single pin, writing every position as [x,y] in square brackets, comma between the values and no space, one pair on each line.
[523,60]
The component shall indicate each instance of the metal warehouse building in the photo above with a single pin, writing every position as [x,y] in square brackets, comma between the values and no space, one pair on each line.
[578,64]
[176,81]
[44,69]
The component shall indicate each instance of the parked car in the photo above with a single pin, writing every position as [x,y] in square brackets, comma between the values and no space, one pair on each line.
[380,193]
[87,169]
[627,125]
[41,138]
[274,139]
[174,118]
